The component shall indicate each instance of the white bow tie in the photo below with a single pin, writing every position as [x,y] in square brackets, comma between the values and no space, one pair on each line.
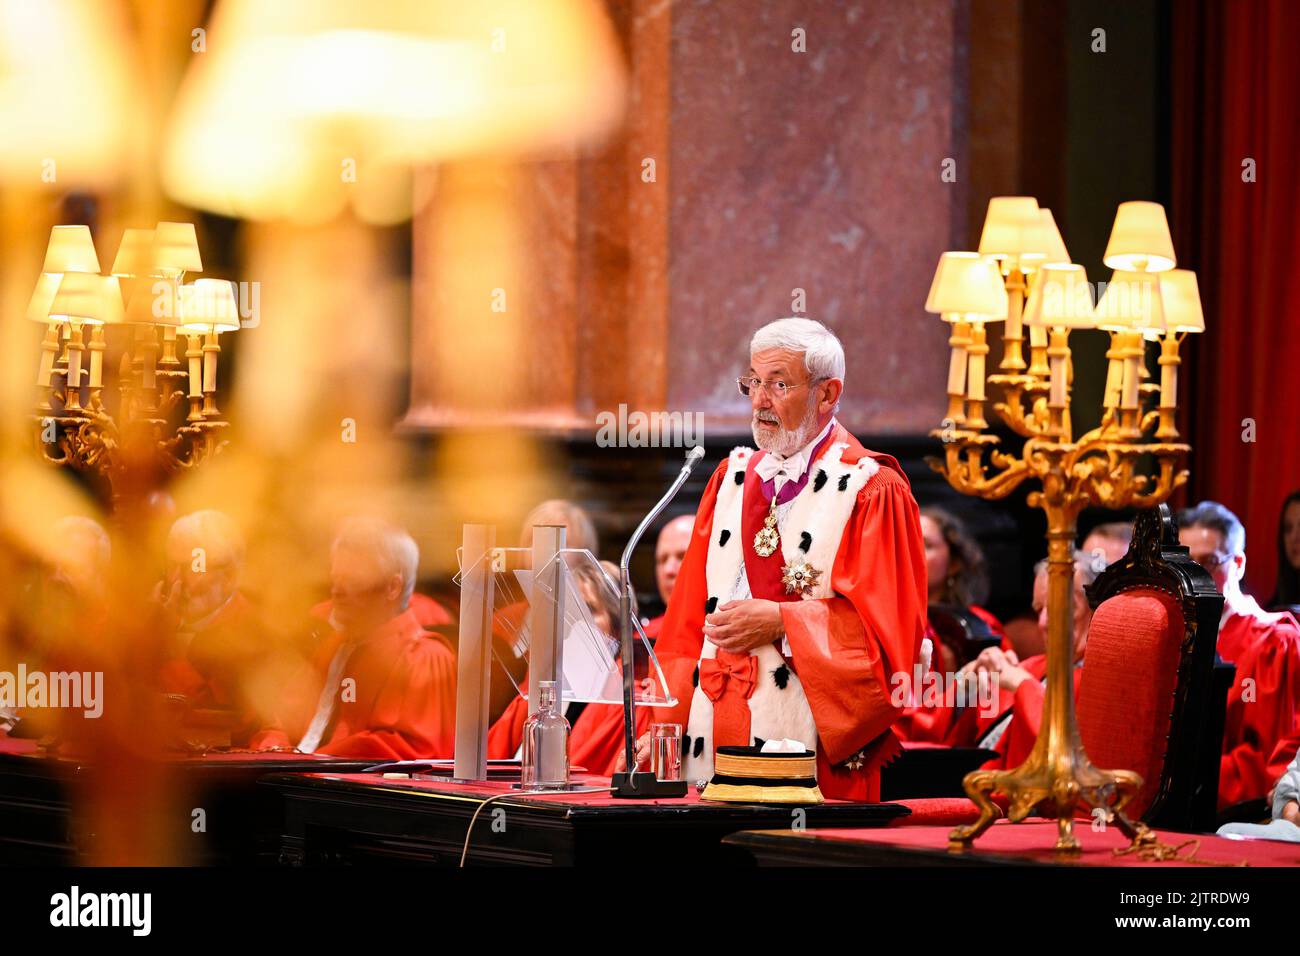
[773,466]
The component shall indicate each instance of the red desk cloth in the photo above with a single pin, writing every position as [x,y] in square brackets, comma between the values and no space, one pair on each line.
[17,745]
[494,789]
[1032,841]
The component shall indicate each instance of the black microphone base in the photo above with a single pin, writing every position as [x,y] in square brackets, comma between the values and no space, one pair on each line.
[644,785]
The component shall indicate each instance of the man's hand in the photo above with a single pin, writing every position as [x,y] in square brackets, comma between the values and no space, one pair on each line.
[1291,812]
[740,626]
[1005,665]
[642,754]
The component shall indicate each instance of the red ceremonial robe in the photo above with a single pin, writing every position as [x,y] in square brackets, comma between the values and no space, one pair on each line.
[935,723]
[405,697]
[845,647]
[596,739]
[1026,709]
[216,669]
[1264,700]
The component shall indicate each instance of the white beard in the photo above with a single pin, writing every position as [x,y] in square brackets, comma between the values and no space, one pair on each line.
[787,442]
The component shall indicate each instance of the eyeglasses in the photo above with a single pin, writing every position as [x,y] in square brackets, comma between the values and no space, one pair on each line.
[777,389]
[1214,560]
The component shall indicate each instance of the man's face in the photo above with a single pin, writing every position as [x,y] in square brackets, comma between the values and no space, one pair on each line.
[670,549]
[362,597]
[202,592]
[1210,551]
[784,425]
[1082,612]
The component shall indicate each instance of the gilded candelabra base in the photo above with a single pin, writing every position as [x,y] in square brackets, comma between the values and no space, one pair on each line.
[1057,779]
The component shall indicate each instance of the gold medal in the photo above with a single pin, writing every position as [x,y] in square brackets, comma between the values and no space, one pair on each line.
[799,577]
[768,538]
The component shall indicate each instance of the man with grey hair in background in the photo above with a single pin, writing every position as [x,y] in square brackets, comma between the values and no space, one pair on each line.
[1011,725]
[803,588]
[380,685]
[1263,705]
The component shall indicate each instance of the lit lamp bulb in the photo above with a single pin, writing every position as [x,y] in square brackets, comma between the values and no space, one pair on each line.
[1008,220]
[208,307]
[967,292]
[1061,300]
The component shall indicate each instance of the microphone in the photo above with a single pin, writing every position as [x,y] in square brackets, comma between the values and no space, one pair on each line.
[633,783]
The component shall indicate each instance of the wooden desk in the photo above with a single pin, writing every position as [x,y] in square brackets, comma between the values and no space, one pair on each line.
[1005,844]
[365,818]
[39,825]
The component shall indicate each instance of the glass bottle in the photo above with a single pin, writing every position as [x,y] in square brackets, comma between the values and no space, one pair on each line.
[546,744]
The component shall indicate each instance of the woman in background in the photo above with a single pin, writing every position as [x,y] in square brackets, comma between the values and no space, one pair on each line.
[956,581]
[1287,593]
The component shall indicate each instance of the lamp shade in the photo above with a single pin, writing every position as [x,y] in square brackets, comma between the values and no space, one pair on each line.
[70,250]
[967,285]
[175,249]
[1042,241]
[47,287]
[134,254]
[1181,300]
[155,302]
[1139,239]
[1132,303]
[1060,298]
[209,305]
[88,299]
[1005,225]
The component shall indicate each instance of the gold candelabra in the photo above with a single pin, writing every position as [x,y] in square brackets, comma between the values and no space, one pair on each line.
[1101,467]
[148,437]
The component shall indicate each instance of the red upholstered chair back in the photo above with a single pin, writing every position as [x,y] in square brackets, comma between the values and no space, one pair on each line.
[1127,688]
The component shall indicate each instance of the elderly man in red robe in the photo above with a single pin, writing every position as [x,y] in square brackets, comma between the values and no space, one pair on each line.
[1011,722]
[803,589]
[1265,697]
[382,686]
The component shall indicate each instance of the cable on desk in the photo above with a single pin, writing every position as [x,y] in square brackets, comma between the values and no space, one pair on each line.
[469,831]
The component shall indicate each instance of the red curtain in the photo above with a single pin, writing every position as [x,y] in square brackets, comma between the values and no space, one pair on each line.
[1235,97]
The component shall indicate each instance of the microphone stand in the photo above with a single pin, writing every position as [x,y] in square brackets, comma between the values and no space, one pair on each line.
[633,783]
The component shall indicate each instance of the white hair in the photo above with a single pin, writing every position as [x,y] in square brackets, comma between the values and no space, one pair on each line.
[823,356]
[394,549]
[210,530]
[1085,568]
[93,534]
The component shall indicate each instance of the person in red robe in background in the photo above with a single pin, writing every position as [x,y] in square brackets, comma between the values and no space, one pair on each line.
[380,685]
[596,735]
[509,623]
[215,635]
[57,627]
[1264,700]
[1010,724]
[836,595]
[670,548]
[956,578]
